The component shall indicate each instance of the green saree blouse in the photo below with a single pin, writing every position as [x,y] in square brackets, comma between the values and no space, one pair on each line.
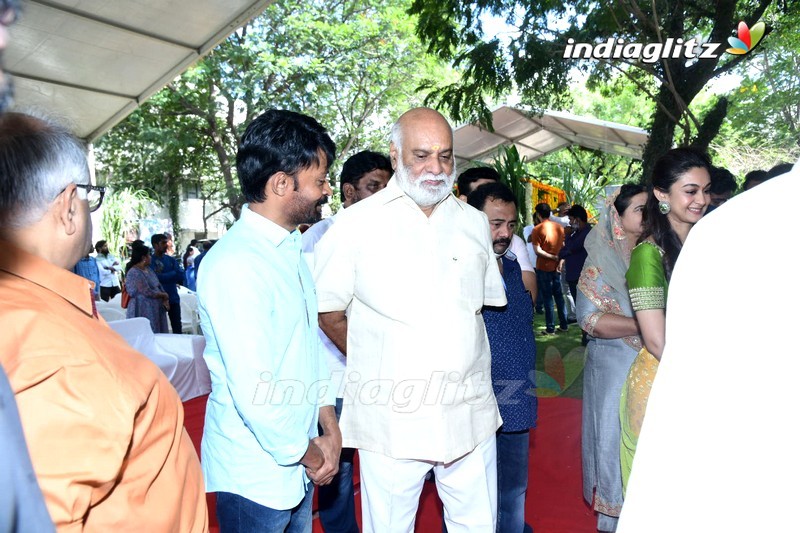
[647,286]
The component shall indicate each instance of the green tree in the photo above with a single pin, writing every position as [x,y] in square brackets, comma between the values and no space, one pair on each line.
[530,60]
[766,106]
[583,174]
[121,211]
[355,65]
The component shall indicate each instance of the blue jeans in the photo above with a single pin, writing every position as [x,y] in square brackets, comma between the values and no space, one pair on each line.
[550,289]
[237,514]
[337,507]
[512,481]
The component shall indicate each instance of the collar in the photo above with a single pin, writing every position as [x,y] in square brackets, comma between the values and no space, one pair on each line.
[508,254]
[65,284]
[267,228]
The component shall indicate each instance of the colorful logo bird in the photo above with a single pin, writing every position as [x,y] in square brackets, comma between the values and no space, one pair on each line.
[747,38]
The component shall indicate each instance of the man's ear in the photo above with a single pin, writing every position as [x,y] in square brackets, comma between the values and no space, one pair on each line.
[66,207]
[279,184]
[349,192]
[393,156]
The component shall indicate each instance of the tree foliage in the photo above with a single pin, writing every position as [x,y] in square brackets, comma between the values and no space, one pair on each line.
[354,65]
[766,106]
[530,59]
[121,211]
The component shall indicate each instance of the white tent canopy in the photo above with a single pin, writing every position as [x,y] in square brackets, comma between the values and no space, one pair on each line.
[93,62]
[536,135]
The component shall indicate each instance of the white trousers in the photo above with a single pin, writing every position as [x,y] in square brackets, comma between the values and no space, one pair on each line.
[391,488]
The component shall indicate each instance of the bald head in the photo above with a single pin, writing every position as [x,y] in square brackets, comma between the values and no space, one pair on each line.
[422,155]
[420,119]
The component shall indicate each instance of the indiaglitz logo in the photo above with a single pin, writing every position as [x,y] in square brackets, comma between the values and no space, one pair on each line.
[747,38]
[671,48]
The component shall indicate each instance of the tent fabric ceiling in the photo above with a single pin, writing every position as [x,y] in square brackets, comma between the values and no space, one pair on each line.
[93,62]
[536,135]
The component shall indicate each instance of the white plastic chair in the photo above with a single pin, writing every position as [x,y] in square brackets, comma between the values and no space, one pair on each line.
[110,312]
[180,357]
[190,317]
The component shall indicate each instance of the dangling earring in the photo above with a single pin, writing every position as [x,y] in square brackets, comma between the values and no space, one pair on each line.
[663,207]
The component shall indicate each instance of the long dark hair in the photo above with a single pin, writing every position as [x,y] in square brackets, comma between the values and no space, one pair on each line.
[668,169]
[625,196]
[138,252]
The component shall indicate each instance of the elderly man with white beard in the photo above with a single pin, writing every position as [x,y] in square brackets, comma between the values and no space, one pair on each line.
[415,267]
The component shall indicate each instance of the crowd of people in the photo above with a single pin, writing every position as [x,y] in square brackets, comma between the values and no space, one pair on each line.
[400,328]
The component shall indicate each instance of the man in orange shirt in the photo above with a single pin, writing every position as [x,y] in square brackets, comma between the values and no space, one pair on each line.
[103,424]
[547,239]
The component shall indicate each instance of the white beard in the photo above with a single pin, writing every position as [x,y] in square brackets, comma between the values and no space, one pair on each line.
[425,195]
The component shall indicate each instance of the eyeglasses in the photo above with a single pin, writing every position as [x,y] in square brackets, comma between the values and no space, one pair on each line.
[94,194]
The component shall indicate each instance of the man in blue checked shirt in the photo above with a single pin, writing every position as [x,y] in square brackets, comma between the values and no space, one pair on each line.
[87,268]
[261,452]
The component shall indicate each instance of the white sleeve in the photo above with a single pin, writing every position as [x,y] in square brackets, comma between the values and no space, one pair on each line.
[520,249]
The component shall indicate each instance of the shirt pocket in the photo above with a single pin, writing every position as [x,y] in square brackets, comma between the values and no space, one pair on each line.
[468,275]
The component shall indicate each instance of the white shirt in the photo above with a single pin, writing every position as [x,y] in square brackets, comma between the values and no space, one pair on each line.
[564,221]
[718,450]
[418,382]
[526,232]
[521,252]
[107,277]
[336,360]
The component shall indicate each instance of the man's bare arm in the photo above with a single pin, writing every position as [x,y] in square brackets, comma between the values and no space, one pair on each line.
[334,325]
[330,444]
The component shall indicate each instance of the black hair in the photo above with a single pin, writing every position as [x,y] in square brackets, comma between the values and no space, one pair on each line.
[722,180]
[471,175]
[543,210]
[362,163]
[626,193]
[577,211]
[668,169]
[753,178]
[280,141]
[98,245]
[138,252]
[157,238]
[777,170]
[495,191]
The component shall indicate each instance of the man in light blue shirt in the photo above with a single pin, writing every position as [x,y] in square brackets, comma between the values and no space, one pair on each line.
[269,389]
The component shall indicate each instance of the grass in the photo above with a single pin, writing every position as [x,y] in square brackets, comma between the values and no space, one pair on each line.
[559,361]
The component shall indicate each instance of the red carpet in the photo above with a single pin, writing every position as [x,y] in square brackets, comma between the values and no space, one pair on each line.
[555,502]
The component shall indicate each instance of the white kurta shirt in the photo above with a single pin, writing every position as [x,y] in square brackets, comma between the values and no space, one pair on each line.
[418,383]
[336,359]
[718,450]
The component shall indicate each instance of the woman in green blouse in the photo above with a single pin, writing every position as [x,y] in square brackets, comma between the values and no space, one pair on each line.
[679,198]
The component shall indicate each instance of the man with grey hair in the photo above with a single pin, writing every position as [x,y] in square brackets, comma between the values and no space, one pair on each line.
[415,266]
[104,426]
[21,503]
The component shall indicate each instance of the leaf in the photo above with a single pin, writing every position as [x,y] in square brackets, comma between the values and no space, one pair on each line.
[554,365]
[546,386]
[738,45]
[744,35]
[756,33]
